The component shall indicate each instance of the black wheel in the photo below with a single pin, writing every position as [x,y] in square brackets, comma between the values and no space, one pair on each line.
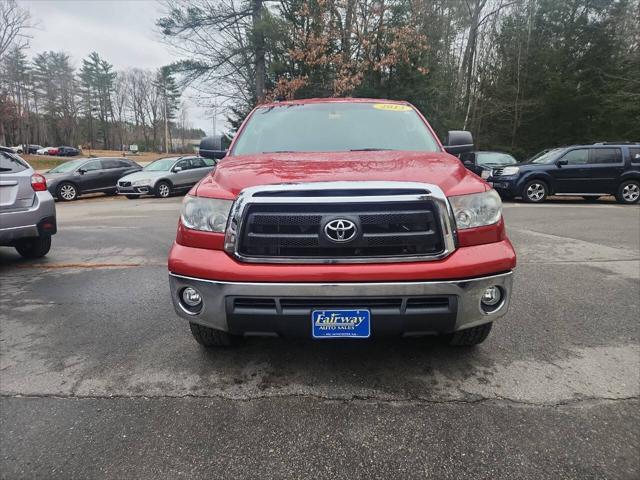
[209,337]
[535,191]
[591,199]
[470,336]
[163,189]
[132,197]
[67,192]
[629,192]
[35,247]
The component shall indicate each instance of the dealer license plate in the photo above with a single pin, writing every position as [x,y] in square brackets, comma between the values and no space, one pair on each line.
[341,323]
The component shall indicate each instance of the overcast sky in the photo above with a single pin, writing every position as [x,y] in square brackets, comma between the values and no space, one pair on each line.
[122,32]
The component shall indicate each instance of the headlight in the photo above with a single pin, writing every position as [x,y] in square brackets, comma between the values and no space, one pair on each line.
[140,183]
[206,214]
[510,171]
[476,209]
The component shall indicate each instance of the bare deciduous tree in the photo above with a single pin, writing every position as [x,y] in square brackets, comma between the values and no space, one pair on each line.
[14,20]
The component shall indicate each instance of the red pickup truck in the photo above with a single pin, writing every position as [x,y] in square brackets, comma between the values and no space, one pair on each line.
[341,218]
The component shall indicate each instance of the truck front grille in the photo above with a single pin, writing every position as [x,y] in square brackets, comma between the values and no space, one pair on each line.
[384,229]
[497,172]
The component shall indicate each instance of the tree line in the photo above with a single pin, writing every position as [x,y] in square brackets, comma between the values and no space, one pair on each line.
[46,100]
[522,75]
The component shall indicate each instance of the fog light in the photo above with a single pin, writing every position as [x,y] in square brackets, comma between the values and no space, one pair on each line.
[191,297]
[491,296]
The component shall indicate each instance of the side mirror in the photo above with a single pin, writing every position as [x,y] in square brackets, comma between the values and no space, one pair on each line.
[211,147]
[468,163]
[458,141]
[560,163]
[177,169]
[82,171]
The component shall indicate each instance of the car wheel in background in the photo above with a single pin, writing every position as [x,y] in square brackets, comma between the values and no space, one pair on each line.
[209,337]
[470,336]
[163,189]
[629,192]
[132,197]
[591,199]
[34,247]
[535,191]
[67,192]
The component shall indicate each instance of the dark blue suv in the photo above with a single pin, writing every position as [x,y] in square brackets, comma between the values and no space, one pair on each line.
[589,171]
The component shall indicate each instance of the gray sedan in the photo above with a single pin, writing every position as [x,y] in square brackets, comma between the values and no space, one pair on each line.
[69,180]
[165,176]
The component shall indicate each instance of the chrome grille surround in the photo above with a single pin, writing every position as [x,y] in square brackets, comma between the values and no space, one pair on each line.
[346,192]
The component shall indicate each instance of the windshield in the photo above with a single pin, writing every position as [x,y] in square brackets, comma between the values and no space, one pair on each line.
[335,127]
[67,166]
[494,158]
[546,157]
[162,165]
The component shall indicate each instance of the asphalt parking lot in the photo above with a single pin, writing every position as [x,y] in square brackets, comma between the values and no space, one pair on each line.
[100,379]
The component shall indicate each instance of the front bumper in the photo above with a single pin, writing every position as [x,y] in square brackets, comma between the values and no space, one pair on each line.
[285,308]
[140,190]
[504,185]
[28,222]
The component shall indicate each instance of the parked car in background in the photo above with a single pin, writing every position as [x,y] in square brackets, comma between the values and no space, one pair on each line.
[31,149]
[47,151]
[68,152]
[165,176]
[27,209]
[481,163]
[590,171]
[71,179]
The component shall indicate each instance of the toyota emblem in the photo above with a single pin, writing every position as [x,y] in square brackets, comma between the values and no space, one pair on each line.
[340,230]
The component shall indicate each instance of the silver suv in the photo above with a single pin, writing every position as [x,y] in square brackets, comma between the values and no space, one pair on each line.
[165,176]
[27,209]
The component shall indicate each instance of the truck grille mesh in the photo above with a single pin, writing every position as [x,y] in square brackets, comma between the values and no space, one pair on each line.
[385,229]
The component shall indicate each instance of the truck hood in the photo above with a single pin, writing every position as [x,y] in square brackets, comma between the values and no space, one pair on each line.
[234,174]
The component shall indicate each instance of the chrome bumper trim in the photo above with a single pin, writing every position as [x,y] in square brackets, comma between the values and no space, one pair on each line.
[468,291]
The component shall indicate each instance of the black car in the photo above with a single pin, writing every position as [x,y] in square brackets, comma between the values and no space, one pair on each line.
[68,152]
[482,162]
[88,175]
[590,171]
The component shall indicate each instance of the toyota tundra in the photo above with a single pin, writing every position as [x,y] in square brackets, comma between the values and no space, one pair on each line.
[341,218]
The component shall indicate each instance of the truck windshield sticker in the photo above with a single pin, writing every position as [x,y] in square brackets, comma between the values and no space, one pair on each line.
[392,107]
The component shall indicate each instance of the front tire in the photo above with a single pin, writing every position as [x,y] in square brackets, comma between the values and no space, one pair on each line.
[210,337]
[132,197]
[163,189]
[67,192]
[629,192]
[535,191]
[470,336]
[36,247]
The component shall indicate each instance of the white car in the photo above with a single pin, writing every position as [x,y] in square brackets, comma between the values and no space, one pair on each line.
[44,151]
[17,149]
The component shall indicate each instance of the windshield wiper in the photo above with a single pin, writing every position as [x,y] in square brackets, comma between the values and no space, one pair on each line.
[369,149]
[281,151]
